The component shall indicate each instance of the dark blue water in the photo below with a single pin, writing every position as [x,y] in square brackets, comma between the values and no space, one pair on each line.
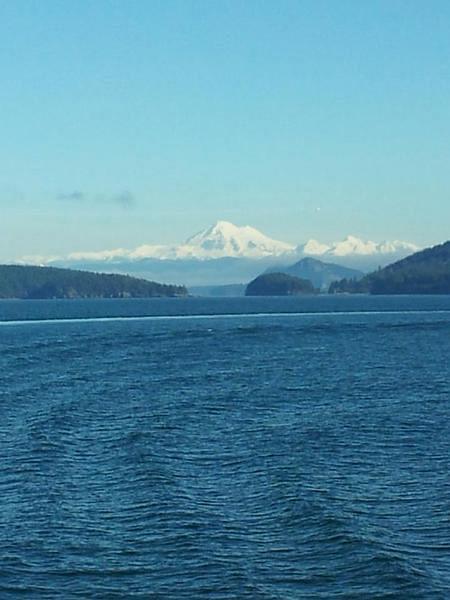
[282,449]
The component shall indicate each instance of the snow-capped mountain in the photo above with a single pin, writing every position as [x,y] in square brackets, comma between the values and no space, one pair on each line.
[353,246]
[225,239]
[227,253]
[221,240]
[312,248]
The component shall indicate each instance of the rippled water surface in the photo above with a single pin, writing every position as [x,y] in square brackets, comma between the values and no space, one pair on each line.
[253,448]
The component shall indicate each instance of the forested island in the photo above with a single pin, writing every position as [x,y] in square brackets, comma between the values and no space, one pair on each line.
[320,274]
[29,282]
[425,272]
[279,284]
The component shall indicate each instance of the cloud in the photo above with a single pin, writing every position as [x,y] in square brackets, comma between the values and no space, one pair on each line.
[125,198]
[75,196]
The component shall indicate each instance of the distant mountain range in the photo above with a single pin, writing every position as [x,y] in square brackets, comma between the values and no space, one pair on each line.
[227,254]
[425,272]
[318,273]
[231,290]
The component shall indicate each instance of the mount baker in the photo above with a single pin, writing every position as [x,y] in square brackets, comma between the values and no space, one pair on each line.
[226,253]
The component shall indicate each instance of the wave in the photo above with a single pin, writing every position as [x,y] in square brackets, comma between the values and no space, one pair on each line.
[262,315]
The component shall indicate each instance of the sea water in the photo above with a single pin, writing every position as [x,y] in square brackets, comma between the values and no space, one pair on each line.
[238,448]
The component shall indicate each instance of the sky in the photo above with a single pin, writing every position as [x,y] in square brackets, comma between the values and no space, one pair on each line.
[145,121]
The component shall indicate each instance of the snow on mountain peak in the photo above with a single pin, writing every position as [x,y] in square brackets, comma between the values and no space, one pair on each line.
[226,239]
[396,246]
[313,247]
[354,246]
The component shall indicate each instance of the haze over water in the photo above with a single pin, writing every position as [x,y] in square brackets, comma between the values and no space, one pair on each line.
[253,448]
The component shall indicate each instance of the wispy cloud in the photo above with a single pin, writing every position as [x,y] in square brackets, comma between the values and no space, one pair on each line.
[75,196]
[124,198]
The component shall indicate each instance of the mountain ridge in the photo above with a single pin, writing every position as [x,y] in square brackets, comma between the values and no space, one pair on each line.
[32,283]
[320,273]
[424,272]
[224,239]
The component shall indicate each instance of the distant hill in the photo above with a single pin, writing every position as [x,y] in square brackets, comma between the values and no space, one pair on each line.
[425,272]
[321,274]
[29,282]
[278,284]
[231,290]
[190,272]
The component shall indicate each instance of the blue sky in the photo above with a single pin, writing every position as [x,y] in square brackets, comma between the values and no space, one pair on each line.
[129,122]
